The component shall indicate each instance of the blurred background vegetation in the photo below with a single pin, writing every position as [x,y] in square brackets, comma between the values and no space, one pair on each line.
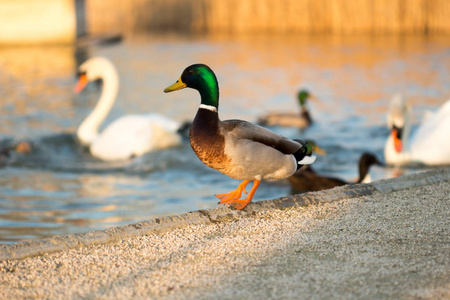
[269,16]
[62,21]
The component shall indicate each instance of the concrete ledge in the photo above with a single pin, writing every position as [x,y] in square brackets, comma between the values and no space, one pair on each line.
[418,179]
[220,214]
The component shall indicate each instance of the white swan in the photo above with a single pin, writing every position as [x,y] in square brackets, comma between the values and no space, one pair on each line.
[430,143]
[128,136]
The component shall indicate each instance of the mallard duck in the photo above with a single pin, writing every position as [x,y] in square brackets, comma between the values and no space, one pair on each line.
[300,120]
[428,144]
[306,179]
[128,136]
[8,146]
[237,148]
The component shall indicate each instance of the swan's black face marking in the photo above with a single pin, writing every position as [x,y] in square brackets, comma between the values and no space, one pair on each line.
[399,132]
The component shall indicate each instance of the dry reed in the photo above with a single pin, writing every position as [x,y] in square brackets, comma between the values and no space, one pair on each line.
[280,16]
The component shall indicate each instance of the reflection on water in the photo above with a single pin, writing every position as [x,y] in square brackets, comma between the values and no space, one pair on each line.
[34,80]
[59,188]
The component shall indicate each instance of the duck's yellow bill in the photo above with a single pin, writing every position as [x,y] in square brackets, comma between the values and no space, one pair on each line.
[313,97]
[176,86]
[319,150]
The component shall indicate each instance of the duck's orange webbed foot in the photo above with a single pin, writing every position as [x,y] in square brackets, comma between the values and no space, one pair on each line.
[233,195]
[241,203]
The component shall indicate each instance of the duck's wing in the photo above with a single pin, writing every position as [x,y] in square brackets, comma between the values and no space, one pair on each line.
[249,131]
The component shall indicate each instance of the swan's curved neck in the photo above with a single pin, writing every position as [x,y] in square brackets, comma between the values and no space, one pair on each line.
[88,130]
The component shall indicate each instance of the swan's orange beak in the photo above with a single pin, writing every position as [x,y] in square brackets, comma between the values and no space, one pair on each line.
[397,141]
[81,84]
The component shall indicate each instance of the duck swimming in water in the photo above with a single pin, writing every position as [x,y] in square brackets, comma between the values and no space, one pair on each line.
[237,148]
[300,120]
[306,179]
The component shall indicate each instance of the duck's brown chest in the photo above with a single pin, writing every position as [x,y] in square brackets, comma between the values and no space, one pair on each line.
[207,141]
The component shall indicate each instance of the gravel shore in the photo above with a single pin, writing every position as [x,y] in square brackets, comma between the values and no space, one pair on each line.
[386,240]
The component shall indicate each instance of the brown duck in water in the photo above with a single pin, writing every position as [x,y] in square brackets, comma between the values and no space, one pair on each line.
[300,120]
[23,147]
[307,179]
[237,148]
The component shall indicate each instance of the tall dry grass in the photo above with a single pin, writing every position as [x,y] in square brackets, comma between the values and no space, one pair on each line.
[287,16]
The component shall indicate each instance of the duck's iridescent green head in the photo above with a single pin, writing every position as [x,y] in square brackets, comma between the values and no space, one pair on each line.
[315,148]
[201,78]
[309,149]
[302,96]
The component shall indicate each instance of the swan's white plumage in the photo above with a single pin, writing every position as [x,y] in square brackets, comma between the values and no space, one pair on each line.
[431,142]
[428,145]
[128,136]
[135,135]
